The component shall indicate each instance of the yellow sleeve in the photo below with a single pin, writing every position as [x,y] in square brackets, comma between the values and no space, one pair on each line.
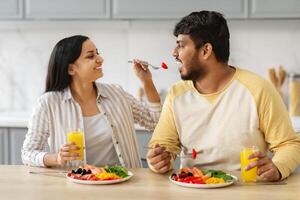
[165,132]
[275,123]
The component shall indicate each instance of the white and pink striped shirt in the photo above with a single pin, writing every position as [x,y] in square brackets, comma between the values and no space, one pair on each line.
[57,113]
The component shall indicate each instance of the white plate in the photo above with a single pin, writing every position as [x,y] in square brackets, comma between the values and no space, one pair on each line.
[100,182]
[204,186]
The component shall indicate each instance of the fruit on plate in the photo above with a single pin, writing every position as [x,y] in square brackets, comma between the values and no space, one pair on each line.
[197,176]
[93,173]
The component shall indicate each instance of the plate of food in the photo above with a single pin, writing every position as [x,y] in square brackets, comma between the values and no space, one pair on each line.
[93,175]
[196,178]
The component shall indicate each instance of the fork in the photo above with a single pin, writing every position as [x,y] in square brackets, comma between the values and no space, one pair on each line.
[48,172]
[146,63]
[187,155]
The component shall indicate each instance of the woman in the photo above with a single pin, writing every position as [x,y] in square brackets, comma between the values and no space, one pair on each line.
[73,101]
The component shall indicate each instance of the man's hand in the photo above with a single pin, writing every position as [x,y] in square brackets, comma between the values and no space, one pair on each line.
[265,167]
[159,159]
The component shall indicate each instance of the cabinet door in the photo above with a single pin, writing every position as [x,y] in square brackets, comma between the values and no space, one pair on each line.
[274,9]
[16,139]
[11,9]
[143,138]
[175,9]
[4,160]
[67,9]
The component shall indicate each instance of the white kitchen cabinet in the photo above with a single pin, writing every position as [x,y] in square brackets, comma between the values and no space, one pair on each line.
[11,141]
[4,153]
[16,138]
[11,9]
[274,9]
[143,137]
[67,9]
[175,9]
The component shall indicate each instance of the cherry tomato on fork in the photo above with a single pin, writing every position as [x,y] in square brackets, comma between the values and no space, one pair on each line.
[194,154]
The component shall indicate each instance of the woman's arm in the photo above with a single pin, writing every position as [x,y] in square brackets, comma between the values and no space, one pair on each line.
[151,92]
[145,115]
[145,76]
[33,150]
[63,156]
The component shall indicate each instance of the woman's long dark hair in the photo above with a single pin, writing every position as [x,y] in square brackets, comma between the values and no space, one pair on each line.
[65,52]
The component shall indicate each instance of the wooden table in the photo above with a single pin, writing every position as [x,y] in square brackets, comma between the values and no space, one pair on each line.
[17,183]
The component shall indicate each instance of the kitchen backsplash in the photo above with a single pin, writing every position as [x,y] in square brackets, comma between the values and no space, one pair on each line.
[25,49]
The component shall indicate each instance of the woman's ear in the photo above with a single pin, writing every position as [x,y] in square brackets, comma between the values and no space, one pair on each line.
[206,51]
[71,70]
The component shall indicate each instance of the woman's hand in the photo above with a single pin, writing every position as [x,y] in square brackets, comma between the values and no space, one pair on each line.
[144,74]
[142,71]
[64,155]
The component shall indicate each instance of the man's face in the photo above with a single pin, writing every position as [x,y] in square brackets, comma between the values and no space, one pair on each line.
[189,58]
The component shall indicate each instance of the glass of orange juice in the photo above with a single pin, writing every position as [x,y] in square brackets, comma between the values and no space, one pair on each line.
[250,175]
[78,138]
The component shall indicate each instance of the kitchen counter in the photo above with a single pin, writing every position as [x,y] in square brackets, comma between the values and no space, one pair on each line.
[17,183]
[14,119]
[20,120]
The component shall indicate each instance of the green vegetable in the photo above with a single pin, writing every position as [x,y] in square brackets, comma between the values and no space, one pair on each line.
[118,170]
[218,174]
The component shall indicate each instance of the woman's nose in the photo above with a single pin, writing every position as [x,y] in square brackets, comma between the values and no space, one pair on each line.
[100,59]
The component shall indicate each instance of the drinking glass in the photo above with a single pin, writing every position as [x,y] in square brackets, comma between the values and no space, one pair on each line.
[250,175]
[78,138]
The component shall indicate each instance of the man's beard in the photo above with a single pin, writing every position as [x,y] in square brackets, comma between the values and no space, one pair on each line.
[194,71]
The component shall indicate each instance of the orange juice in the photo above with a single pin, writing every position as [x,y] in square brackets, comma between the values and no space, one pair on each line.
[250,175]
[77,137]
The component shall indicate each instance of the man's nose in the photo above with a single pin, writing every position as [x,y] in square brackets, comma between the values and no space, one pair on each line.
[175,52]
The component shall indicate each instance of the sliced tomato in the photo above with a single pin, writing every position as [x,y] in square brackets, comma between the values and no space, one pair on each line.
[198,181]
[191,179]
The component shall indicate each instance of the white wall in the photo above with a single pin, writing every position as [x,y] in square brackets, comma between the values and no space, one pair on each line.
[25,48]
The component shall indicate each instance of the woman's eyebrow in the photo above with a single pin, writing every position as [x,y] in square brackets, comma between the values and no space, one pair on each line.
[91,51]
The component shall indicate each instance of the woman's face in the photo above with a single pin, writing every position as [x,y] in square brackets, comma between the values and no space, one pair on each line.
[88,67]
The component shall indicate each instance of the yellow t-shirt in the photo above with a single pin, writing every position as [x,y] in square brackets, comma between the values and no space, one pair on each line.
[247,111]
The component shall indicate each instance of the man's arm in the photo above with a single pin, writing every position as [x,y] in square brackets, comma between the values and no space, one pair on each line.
[164,143]
[282,140]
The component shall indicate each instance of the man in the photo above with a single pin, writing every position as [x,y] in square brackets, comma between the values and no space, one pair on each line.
[219,109]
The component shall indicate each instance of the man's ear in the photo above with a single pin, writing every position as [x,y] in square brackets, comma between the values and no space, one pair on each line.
[206,51]
[71,69]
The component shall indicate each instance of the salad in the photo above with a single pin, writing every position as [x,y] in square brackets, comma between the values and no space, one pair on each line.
[197,176]
[93,173]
